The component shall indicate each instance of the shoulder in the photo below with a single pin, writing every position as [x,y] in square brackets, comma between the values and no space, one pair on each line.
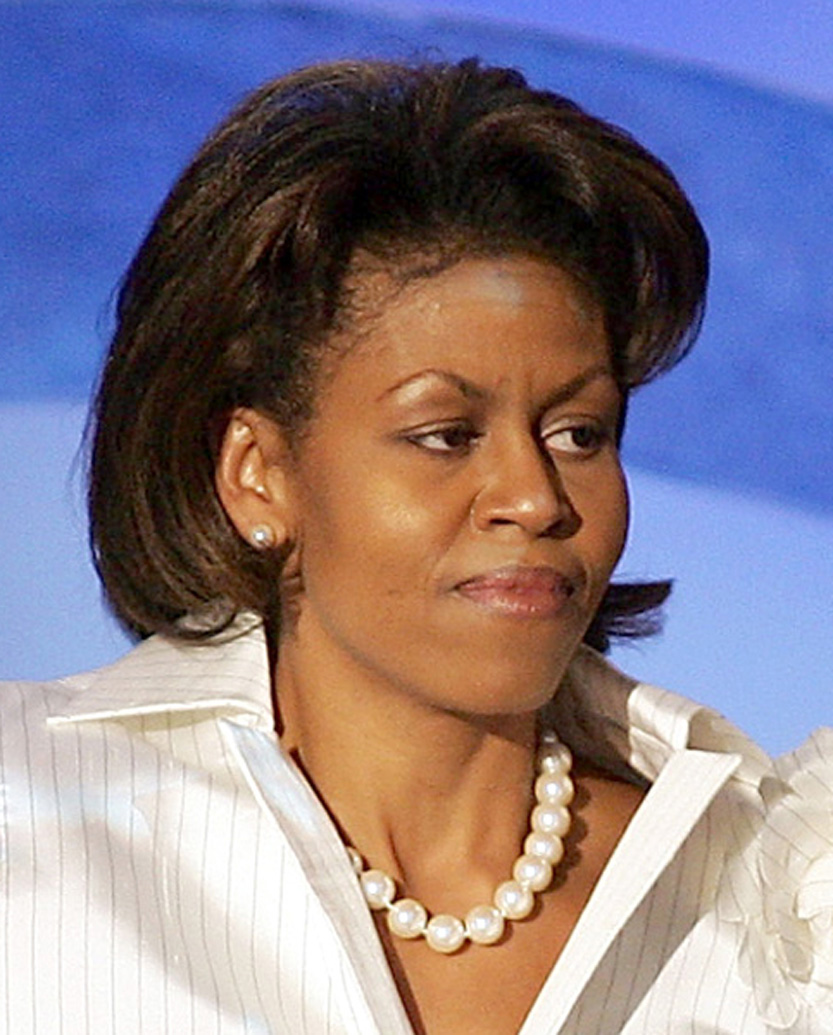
[25,696]
[628,726]
[32,754]
[159,675]
[51,745]
[41,776]
[29,708]
[25,710]
[772,823]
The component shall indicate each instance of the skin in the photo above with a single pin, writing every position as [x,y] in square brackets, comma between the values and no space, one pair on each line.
[466,427]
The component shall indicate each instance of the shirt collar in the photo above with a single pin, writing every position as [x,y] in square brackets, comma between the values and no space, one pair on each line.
[228,675]
[630,726]
[626,725]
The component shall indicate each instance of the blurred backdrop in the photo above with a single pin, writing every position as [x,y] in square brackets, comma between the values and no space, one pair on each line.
[730,457]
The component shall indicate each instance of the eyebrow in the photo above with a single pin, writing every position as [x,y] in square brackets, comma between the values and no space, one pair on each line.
[576,384]
[467,388]
[470,390]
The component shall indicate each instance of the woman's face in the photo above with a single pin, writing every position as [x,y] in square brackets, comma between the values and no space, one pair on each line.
[459,500]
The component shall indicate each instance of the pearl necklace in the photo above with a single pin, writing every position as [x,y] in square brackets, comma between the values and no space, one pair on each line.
[513,899]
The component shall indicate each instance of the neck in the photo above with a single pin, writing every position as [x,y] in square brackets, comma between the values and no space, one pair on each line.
[420,791]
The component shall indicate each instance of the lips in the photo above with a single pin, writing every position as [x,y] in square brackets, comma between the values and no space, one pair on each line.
[523,592]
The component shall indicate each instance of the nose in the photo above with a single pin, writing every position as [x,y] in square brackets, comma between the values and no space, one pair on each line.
[522,487]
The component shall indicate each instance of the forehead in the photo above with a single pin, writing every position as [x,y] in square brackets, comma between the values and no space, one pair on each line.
[512,280]
[475,309]
[506,331]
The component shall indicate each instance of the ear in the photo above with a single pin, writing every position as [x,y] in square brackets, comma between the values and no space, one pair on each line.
[253,479]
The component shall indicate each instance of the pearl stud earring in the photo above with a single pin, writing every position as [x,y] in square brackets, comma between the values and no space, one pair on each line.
[262,537]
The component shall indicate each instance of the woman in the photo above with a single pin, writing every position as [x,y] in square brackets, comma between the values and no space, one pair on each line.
[355,482]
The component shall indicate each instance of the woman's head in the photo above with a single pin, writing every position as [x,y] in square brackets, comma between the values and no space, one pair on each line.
[456,506]
[247,280]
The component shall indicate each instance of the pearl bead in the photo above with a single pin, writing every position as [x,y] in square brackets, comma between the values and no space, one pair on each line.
[262,536]
[554,789]
[514,900]
[355,860]
[407,918]
[550,819]
[378,888]
[545,846]
[556,758]
[532,872]
[484,925]
[445,933]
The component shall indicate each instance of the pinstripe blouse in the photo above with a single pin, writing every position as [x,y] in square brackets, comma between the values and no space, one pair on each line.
[165,868]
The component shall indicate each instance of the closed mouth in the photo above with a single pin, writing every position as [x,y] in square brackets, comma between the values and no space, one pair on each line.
[520,591]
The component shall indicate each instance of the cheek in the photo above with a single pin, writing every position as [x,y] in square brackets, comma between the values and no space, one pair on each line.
[604,507]
[366,530]
[622,511]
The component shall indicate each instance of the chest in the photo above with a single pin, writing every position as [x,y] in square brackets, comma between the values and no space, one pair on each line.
[482,990]
[170,897]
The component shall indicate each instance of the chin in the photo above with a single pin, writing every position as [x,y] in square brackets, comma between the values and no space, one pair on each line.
[515,685]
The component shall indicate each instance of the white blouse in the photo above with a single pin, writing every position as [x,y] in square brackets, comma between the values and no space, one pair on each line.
[165,868]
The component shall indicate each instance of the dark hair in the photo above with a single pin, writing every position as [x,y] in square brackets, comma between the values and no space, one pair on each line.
[243,274]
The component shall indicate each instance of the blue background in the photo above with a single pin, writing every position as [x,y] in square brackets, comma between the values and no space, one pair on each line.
[730,456]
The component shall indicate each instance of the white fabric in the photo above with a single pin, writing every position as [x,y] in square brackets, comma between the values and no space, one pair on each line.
[166,868]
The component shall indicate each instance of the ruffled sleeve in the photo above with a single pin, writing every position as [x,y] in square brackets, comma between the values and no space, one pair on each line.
[779,888]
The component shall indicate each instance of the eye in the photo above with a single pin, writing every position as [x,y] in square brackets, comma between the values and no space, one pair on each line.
[578,439]
[457,437]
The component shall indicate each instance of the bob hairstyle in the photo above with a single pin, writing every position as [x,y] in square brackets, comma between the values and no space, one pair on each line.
[243,278]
